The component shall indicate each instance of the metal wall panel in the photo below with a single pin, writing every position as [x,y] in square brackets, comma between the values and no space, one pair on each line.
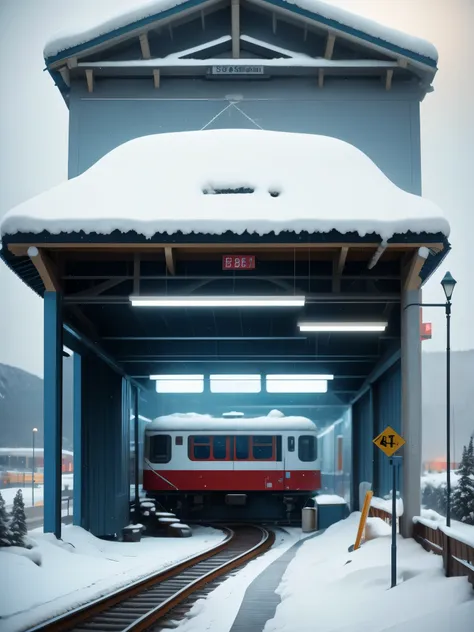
[359,112]
[105,448]
[362,435]
[335,450]
[388,412]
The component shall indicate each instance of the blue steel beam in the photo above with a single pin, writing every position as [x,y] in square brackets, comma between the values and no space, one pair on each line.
[53,416]
[77,433]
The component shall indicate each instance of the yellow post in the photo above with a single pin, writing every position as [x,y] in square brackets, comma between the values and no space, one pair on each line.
[363,518]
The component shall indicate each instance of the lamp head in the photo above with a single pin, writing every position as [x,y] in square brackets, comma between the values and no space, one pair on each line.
[448,284]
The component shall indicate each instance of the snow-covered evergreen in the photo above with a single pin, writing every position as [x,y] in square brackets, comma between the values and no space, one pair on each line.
[463,496]
[18,520]
[6,538]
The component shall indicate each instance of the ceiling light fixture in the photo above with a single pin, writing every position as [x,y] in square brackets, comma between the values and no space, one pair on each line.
[217,301]
[297,376]
[342,327]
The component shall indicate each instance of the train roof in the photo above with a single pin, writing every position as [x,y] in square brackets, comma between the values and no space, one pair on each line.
[195,422]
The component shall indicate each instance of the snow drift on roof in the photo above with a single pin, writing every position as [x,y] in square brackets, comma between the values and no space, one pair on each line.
[67,40]
[168,183]
[195,422]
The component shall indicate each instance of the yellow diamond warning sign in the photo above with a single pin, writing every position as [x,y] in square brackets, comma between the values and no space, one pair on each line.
[389,441]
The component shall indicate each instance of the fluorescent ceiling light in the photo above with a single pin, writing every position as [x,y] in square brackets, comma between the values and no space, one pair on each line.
[217,301]
[236,383]
[297,386]
[164,378]
[348,327]
[296,376]
[179,383]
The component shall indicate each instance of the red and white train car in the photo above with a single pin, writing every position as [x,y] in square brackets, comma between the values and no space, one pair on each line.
[208,467]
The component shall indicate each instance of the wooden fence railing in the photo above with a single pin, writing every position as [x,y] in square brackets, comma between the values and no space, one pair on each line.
[458,556]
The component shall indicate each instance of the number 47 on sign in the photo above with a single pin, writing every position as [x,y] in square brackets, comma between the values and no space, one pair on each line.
[389,441]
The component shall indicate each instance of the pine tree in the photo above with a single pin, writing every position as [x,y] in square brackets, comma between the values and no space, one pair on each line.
[18,520]
[5,531]
[463,495]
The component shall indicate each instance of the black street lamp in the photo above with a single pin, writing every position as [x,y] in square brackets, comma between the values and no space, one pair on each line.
[448,284]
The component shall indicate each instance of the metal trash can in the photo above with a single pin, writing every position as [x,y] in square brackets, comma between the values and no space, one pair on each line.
[309,519]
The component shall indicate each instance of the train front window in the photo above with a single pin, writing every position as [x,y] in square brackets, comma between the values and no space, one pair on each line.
[160,449]
[262,448]
[307,448]
[219,448]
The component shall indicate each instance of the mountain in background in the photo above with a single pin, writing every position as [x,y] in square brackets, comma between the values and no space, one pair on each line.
[21,404]
[21,407]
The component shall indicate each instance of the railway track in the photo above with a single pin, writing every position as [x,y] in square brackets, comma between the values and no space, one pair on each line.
[156,602]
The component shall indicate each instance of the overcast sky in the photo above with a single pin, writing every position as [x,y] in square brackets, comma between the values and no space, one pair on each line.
[33,143]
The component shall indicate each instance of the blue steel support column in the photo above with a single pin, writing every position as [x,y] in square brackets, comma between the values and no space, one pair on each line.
[53,414]
[411,410]
[77,425]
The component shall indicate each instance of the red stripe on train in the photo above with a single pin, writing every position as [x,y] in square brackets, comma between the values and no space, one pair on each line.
[231,480]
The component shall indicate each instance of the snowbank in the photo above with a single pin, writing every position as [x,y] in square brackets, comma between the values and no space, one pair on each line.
[81,568]
[321,591]
[436,479]
[284,170]
[66,40]
[197,422]
[329,499]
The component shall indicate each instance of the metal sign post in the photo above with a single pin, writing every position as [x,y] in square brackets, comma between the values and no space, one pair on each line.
[389,442]
[394,462]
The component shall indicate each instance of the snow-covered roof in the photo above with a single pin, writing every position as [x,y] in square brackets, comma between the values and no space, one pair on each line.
[333,17]
[195,422]
[167,183]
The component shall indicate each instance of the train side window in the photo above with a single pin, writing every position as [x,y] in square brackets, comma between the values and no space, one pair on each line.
[179,440]
[160,449]
[278,445]
[199,448]
[241,447]
[262,448]
[219,448]
[307,448]
[291,444]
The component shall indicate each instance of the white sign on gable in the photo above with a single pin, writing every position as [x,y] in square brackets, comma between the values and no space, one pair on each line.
[237,70]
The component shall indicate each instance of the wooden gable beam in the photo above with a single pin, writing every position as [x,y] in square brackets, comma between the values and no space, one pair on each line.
[338,267]
[145,46]
[90,79]
[331,40]
[64,72]
[46,269]
[235,28]
[388,79]
[411,270]
[170,260]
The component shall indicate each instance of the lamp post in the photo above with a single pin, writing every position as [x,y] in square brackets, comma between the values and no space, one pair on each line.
[448,284]
[35,430]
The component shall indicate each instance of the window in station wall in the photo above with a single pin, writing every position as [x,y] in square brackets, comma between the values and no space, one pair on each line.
[179,383]
[236,383]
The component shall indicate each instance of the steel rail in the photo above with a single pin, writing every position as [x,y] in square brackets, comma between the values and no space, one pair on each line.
[146,601]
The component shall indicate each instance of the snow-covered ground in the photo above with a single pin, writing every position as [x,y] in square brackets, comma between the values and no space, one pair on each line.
[320,591]
[81,568]
[8,493]
[218,611]
[438,478]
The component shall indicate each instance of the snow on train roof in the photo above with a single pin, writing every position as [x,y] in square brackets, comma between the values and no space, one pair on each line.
[200,423]
[86,33]
[293,182]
